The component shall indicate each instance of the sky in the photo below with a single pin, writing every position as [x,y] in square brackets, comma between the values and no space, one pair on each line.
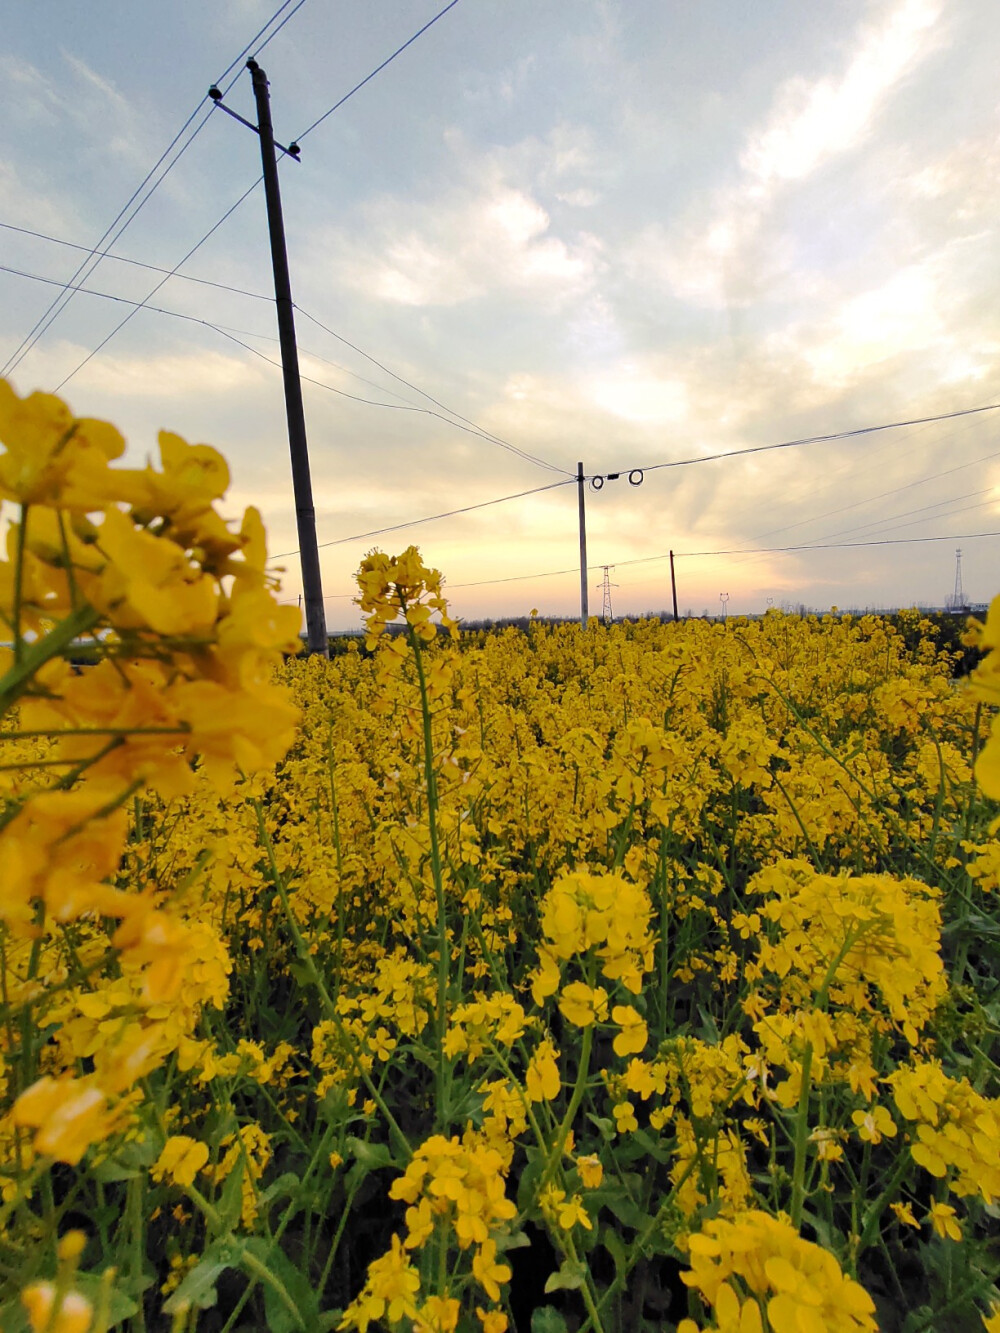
[624,234]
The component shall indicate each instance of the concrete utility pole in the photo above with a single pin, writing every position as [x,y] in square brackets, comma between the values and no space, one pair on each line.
[305,513]
[584,603]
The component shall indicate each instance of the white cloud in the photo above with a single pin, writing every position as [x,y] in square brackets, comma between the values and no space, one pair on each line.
[640,397]
[814,120]
[199,373]
[724,258]
[482,240]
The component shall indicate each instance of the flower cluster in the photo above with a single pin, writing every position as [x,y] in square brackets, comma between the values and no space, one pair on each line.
[758,1266]
[957,1129]
[401,586]
[174,614]
[450,1184]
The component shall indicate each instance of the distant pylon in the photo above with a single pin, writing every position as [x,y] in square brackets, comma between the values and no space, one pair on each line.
[606,587]
[956,602]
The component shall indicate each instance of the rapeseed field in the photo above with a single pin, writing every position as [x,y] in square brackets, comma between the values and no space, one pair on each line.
[637,978]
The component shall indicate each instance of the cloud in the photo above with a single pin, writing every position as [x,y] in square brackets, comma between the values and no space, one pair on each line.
[489,235]
[732,252]
[152,376]
[814,120]
[464,248]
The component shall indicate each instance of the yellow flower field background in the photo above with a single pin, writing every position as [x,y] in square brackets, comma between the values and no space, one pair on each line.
[637,978]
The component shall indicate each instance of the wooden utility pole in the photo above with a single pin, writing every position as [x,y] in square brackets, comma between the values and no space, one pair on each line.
[584,603]
[673,584]
[305,513]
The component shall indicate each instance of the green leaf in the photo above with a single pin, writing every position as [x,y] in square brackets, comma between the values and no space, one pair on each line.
[547,1319]
[656,1148]
[513,1240]
[605,1126]
[368,1157]
[613,1197]
[120,1307]
[612,1242]
[230,1204]
[568,1277]
[14,1317]
[280,1318]
[335,1107]
[526,1185]
[198,1287]
[287,1186]
[129,1162]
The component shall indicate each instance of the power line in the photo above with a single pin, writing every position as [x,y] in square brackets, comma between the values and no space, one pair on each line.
[122,259]
[908,513]
[430,518]
[232,65]
[377,70]
[404,407]
[792,444]
[764,550]
[828,546]
[230,333]
[90,263]
[132,313]
[271,35]
[257,296]
[87,266]
[223,329]
[520,578]
[528,457]
[882,495]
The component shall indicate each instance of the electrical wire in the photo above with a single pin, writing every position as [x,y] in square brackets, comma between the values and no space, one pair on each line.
[520,578]
[890,523]
[87,266]
[431,518]
[271,35]
[691,555]
[792,444]
[882,495]
[122,259]
[231,334]
[879,523]
[480,430]
[90,263]
[132,313]
[377,70]
[402,407]
[250,44]
[257,296]
[223,329]
[828,546]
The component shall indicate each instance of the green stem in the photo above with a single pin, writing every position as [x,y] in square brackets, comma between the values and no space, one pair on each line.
[801,1139]
[881,1203]
[307,961]
[16,680]
[261,1271]
[430,780]
[138,1229]
[555,1155]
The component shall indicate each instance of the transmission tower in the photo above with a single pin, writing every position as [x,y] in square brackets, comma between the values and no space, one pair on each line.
[606,587]
[956,602]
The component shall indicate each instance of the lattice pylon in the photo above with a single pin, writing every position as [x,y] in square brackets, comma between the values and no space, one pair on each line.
[606,586]
[956,601]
